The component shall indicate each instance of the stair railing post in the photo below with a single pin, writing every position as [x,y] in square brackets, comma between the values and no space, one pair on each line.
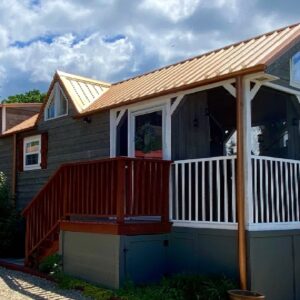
[120,190]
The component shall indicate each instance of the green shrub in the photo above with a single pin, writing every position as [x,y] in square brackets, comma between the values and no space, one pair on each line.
[180,287]
[51,265]
[11,224]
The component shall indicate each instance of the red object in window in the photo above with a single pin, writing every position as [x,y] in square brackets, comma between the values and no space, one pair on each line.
[152,154]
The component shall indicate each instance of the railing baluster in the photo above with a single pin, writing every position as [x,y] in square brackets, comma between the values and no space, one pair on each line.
[261,198]
[218,191]
[225,191]
[190,191]
[267,190]
[272,191]
[255,202]
[233,199]
[203,200]
[277,191]
[197,191]
[292,193]
[296,168]
[183,191]
[282,192]
[210,170]
[286,175]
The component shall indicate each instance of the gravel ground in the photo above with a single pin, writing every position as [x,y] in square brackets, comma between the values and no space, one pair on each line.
[20,286]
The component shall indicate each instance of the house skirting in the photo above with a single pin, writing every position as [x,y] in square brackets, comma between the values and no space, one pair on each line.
[110,260]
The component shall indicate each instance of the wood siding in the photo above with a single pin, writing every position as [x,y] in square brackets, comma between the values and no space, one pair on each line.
[6,157]
[281,67]
[16,115]
[190,128]
[69,140]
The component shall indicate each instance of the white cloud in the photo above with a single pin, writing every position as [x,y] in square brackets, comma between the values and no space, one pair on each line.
[175,10]
[53,34]
[91,56]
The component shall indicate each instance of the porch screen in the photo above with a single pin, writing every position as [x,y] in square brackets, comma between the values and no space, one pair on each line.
[148,135]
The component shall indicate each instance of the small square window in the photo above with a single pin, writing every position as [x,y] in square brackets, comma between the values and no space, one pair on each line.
[32,152]
[295,70]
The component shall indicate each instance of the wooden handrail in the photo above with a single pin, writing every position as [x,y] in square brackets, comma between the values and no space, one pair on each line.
[119,187]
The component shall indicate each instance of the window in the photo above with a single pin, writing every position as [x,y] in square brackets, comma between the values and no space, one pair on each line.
[32,152]
[147,133]
[295,70]
[57,105]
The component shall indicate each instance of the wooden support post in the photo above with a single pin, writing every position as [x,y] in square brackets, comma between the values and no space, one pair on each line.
[244,177]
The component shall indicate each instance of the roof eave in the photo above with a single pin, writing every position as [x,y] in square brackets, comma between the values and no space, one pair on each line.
[255,69]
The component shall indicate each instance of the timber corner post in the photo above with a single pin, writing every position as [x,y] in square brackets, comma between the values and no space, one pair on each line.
[243,192]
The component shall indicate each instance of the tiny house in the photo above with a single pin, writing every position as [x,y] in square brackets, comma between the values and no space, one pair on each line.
[193,167]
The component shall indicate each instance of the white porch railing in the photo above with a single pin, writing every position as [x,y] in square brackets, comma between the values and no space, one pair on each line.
[203,193]
[275,190]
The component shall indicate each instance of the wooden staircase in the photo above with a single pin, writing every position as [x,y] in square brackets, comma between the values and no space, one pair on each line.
[112,190]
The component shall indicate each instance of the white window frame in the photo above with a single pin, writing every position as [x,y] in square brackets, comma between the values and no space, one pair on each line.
[293,82]
[133,113]
[55,95]
[27,140]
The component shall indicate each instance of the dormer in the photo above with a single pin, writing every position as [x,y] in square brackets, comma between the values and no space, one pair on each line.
[57,105]
[295,70]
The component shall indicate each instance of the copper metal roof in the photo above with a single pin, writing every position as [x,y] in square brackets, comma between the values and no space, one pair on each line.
[83,91]
[25,125]
[248,56]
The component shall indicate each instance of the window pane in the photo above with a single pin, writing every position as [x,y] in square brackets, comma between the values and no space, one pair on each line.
[32,147]
[51,110]
[62,104]
[32,159]
[148,135]
[296,68]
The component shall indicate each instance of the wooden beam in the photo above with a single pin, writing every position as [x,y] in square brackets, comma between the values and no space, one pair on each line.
[254,90]
[230,88]
[176,103]
[282,88]
[120,116]
[240,182]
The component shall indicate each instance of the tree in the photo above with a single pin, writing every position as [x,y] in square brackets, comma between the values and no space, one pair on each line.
[34,96]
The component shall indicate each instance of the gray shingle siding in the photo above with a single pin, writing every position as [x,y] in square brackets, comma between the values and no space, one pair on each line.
[6,159]
[69,140]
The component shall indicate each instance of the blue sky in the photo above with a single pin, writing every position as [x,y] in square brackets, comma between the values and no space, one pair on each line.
[112,40]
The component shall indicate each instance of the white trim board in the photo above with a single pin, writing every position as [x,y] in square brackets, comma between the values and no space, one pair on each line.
[282,88]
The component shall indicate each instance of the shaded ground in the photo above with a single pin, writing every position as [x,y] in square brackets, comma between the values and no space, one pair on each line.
[20,286]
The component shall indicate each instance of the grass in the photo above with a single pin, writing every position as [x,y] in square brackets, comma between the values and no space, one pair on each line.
[177,287]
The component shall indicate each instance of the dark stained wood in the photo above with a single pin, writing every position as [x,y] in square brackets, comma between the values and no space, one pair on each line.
[117,229]
[70,194]
[190,128]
